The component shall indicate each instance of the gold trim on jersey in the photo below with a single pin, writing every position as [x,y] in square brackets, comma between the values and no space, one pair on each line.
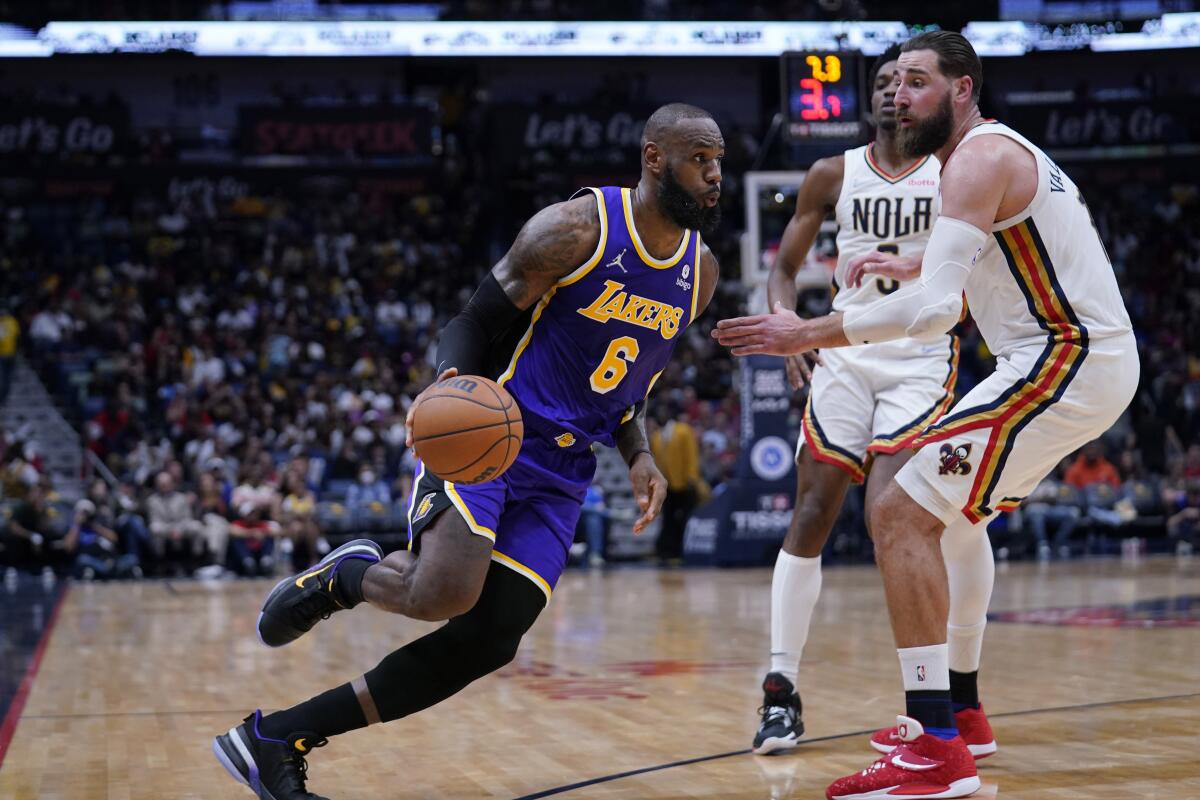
[599,251]
[882,173]
[650,260]
[695,280]
[567,280]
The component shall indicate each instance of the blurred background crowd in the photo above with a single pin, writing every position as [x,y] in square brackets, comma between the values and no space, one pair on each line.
[232,338]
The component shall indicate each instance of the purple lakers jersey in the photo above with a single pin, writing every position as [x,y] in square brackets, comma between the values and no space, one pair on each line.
[598,340]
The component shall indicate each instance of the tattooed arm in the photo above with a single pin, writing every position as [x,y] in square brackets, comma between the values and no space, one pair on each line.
[554,243]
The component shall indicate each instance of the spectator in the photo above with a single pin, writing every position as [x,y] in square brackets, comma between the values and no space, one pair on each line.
[254,529]
[674,447]
[1091,467]
[9,331]
[175,531]
[26,542]
[96,547]
[213,513]
[1184,523]
[369,489]
[1104,502]
[18,474]
[1053,502]
[299,509]
[130,527]
[593,519]
[345,464]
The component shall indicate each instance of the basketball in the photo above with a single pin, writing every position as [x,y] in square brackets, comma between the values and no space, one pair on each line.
[467,429]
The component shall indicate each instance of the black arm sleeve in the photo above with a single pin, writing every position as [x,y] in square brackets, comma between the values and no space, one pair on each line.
[466,339]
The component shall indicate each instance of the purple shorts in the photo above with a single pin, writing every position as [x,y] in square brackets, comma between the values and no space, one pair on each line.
[529,512]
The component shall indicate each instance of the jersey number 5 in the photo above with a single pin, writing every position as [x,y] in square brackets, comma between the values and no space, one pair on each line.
[621,353]
[887,285]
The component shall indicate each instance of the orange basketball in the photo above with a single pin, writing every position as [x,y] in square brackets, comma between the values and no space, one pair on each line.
[467,429]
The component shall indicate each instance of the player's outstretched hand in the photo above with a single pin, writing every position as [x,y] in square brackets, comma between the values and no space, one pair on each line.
[780,333]
[408,418]
[649,489]
[800,367]
[889,265]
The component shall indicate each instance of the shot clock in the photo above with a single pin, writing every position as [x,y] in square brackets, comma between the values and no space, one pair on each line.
[822,96]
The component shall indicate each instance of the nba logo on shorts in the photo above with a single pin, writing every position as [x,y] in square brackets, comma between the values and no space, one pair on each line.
[921,673]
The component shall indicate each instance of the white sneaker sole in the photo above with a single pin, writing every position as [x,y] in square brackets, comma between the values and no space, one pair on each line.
[776,744]
[963,787]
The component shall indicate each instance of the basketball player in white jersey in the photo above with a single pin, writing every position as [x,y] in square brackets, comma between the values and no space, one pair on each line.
[1015,234]
[865,406]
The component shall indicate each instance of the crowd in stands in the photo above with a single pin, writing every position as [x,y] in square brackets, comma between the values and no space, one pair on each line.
[241,367]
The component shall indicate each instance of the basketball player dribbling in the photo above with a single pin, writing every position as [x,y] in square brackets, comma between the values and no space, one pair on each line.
[1015,234]
[866,405]
[577,321]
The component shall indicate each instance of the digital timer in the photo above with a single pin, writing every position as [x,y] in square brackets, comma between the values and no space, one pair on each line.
[821,92]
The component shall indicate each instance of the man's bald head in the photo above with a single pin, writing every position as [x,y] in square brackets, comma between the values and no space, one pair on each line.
[660,123]
[682,151]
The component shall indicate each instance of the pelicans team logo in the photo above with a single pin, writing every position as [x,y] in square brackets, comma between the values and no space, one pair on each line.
[954,459]
[424,506]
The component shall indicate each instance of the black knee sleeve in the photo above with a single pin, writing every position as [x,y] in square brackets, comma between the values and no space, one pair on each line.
[483,640]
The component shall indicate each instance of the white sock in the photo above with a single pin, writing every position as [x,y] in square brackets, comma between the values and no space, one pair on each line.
[972,572]
[925,669]
[795,586]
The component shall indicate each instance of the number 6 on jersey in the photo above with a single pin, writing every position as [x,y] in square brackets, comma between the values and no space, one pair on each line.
[621,353]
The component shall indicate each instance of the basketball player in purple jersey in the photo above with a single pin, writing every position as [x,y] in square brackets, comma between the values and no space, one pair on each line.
[577,321]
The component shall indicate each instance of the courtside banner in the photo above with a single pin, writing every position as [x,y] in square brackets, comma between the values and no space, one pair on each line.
[767,445]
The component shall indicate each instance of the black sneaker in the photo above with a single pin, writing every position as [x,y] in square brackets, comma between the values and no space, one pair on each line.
[274,769]
[781,726]
[300,601]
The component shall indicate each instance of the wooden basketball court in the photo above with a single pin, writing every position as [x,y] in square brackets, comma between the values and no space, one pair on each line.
[635,683]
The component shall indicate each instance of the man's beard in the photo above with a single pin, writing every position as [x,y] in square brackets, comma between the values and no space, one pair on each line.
[928,136]
[682,209]
[887,123]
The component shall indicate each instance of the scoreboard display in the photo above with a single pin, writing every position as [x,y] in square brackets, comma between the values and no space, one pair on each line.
[823,96]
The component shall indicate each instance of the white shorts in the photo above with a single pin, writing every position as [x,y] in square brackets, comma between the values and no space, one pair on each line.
[1011,430]
[876,398]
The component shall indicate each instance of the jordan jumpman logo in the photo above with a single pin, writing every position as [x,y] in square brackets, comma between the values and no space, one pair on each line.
[616,262]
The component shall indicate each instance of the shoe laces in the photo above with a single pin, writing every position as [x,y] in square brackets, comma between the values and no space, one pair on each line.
[315,602]
[774,711]
[297,760]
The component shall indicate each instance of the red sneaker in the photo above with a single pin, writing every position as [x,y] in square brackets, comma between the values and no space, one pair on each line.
[972,725]
[920,766]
